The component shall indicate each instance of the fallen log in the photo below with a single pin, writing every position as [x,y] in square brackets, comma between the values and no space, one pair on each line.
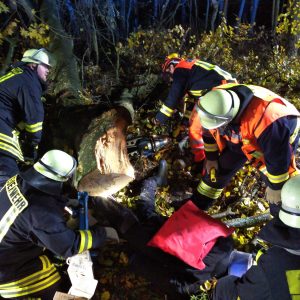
[96,136]
[249,221]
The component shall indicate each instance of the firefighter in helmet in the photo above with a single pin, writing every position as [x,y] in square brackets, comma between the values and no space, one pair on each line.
[246,122]
[189,79]
[21,110]
[32,225]
[276,275]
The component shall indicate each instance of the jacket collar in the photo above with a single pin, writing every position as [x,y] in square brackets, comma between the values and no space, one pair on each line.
[281,235]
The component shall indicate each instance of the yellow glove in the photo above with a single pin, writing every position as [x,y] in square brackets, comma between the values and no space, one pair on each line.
[273,196]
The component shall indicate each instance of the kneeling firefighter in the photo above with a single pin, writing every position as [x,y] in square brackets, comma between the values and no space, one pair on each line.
[32,221]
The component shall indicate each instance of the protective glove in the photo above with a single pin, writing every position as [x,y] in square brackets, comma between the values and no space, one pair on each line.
[273,196]
[211,164]
[111,235]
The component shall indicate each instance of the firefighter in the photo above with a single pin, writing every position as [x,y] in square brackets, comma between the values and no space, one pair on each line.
[21,110]
[246,122]
[32,221]
[276,275]
[190,77]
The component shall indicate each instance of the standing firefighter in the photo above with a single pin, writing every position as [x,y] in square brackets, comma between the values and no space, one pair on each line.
[277,273]
[21,109]
[32,221]
[192,77]
[246,122]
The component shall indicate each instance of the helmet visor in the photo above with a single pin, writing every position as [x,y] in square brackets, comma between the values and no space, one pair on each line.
[211,121]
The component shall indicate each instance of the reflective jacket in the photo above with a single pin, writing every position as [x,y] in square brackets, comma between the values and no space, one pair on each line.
[192,77]
[265,128]
[30,222]
[21,108]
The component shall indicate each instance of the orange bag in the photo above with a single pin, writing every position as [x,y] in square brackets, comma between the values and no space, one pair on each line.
[189,234]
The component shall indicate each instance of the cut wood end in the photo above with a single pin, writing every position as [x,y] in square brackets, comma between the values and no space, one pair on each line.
[103,185]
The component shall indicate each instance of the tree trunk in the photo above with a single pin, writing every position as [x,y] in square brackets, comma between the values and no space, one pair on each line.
[66,72]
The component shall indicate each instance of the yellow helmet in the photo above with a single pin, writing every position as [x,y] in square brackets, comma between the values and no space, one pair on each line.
[172,58]
[217,108]
[289,212]
[36,56]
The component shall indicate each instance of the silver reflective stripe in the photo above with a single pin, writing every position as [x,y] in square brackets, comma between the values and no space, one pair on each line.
[18,204]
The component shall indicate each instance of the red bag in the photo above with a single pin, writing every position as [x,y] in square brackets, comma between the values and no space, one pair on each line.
[189,234]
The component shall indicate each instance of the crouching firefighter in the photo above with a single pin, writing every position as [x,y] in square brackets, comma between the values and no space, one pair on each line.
[32,222]
[247,122]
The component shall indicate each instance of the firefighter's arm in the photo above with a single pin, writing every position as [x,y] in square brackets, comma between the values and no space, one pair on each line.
[52,233]
[176,92]
[29,98]
[210,145]
[252,282]
[277,151]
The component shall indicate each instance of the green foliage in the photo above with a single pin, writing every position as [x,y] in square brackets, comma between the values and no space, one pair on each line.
[289,20]
[38,33]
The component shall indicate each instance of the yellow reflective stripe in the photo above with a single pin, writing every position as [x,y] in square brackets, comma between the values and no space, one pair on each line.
[293,279]
[196,93]
[296,131]
[10,149]
[18,204]
[34,127]
[86,240]
[208,191]
[208,66]
[12,146]
[211,147]
[260,252]
[12,73]
[166,110]
[11,140]
[256,154]
[28,280]
[278,178]
[26,290]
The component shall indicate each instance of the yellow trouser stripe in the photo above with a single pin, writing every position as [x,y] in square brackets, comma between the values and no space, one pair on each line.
[18,292]
[34,127]
[86,240]
[208,191]
[33,283]
[166,110]
[211,147]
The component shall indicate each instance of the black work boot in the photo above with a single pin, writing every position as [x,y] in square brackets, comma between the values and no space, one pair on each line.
[161,177]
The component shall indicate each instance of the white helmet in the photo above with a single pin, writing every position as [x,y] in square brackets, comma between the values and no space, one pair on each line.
[217,108]
[289,212]
[56,165]
[36,56]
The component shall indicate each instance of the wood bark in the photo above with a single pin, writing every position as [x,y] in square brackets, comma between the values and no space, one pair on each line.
[249,221]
